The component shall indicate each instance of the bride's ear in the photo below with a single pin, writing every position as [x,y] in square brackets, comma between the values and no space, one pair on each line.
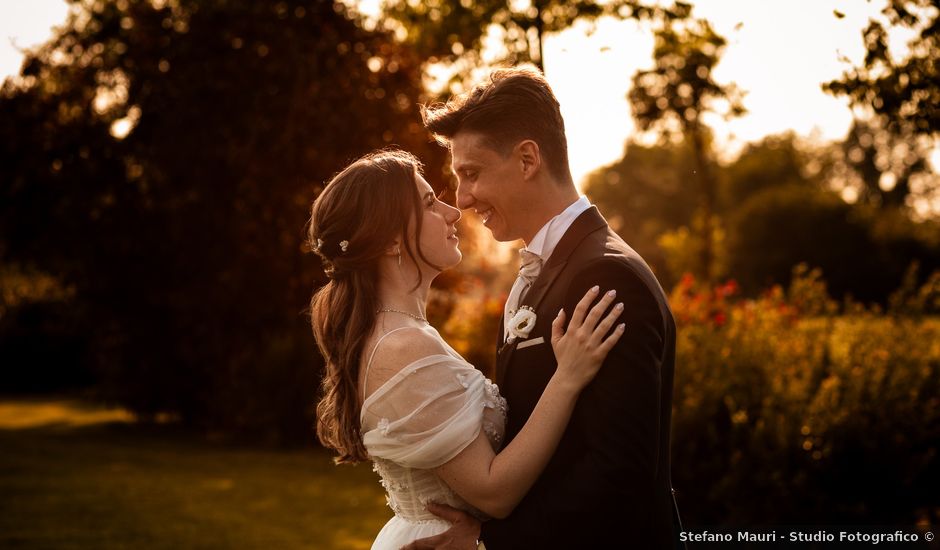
[394,249]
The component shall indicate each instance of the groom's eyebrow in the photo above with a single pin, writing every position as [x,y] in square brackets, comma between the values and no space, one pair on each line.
[466,165]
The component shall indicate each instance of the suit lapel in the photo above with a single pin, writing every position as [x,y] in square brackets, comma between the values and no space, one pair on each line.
[502,331]
[589,221]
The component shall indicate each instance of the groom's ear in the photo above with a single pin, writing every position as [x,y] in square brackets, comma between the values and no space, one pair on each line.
[530,158]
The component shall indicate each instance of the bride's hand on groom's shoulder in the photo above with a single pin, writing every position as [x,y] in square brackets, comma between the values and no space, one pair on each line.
[581,349]
[463,534]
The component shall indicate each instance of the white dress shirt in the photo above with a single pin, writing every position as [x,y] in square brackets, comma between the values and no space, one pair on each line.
[543,244]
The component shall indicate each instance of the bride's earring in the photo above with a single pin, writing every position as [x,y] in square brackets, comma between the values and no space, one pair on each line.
[399,256]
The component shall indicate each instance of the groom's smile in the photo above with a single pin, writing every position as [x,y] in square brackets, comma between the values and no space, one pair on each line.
[487,183]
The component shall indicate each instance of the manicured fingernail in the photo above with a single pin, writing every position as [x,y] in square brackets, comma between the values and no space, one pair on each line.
[621,326]
[619,306]
[595,288]
[560,311]
[611,293]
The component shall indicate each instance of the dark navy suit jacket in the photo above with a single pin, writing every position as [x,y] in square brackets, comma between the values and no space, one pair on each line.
[609,480]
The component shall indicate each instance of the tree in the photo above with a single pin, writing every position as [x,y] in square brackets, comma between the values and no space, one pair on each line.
[161,157]
[774,161]
[673,97]
[453,32]
[897,107]
[644,196]
[862,252]
[783,226]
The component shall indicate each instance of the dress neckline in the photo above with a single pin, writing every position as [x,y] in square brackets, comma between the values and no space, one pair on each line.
[417,363]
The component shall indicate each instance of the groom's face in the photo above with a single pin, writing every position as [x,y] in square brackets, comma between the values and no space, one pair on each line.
[489,182]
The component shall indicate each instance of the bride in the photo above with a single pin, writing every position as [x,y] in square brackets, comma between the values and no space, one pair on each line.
[394,391]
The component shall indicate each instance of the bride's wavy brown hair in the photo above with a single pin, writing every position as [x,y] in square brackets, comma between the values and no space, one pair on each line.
[366,206]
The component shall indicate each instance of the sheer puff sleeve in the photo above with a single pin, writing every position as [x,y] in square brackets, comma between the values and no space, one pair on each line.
[425,414]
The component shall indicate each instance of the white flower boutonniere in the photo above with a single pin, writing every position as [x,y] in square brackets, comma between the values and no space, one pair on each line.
[522,323]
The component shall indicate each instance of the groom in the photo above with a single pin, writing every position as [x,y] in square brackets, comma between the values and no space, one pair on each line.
[609,480]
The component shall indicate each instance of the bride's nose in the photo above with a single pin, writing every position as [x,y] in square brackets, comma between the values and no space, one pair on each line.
[452,214]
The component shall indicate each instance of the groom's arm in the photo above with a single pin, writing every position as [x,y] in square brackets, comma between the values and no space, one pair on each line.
[612,485]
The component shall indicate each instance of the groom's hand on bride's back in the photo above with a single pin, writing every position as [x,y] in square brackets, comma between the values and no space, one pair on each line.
[462,535]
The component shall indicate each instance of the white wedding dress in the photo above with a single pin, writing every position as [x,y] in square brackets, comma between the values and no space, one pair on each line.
[422,417]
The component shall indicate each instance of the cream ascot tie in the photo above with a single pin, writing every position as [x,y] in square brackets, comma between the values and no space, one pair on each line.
[531,266]
[528,273]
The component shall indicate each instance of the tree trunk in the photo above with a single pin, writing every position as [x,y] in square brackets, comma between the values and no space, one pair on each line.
[540,28]
[707,184]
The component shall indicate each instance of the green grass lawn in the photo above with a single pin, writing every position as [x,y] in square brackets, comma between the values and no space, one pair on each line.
[95,484]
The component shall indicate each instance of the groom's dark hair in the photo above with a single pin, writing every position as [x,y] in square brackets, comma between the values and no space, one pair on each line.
[510,106]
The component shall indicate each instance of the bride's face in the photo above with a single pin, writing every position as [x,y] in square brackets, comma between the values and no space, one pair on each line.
[438,238]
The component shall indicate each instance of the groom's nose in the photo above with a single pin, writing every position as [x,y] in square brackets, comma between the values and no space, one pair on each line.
[464,198]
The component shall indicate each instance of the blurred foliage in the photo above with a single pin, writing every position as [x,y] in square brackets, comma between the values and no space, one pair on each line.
[897,107]
[673,96]
[453,33]
[43,340]
[912,300]
[887,169]
[682,247]
[786,411]
[645,195]
[160,158]
[24,284]
[473,326]
[782,226]
[647,199]
[904,92]
[775,161]
[863,251]
[672,99]
[776,209]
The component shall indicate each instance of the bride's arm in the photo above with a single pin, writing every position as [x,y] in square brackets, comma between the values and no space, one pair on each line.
[495,483]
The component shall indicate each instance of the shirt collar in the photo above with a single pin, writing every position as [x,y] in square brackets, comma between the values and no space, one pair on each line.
[547,238]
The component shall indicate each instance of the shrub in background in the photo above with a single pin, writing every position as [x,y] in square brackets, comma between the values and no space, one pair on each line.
[790,408]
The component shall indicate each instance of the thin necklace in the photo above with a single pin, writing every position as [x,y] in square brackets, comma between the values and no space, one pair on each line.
[412,315]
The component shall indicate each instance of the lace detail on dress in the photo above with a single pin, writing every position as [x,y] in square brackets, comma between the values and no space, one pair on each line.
[408,491]
[494,399]
[494,427]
